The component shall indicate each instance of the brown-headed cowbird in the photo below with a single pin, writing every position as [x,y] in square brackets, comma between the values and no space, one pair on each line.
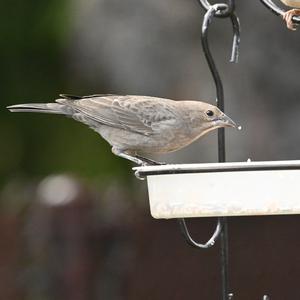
[137,124]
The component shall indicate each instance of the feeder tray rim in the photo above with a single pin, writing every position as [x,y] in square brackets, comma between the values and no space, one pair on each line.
[217,167]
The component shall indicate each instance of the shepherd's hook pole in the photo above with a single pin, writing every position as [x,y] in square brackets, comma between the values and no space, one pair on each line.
[221,10]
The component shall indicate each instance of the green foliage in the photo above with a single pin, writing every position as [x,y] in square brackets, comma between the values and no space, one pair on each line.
[33,42]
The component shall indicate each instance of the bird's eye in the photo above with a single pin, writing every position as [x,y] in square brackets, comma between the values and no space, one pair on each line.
[210,113]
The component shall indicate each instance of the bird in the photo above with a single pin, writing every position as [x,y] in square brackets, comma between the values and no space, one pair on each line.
[288,15]
[136,125]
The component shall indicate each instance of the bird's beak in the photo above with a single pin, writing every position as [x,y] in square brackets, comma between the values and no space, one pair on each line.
[225,121]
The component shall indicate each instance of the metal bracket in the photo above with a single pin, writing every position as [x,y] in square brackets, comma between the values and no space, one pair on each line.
[191,242]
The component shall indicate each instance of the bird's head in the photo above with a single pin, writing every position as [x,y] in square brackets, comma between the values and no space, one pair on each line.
[208,117]
[216,118]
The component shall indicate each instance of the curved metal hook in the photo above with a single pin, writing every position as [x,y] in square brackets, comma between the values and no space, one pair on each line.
[236,27]
[277,10]
[225,12]
[212,66]
[235,48]
[190,241]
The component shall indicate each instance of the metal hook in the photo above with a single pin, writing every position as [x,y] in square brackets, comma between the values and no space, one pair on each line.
[212,12]
[236,27]
[190,241]
[277,10]
[234,56]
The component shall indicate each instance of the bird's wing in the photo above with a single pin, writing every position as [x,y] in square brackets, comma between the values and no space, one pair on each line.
[75,97]
[96,108]
[139,114]
[145,115]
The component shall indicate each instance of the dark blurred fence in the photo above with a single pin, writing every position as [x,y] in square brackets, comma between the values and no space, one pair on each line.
[80,244]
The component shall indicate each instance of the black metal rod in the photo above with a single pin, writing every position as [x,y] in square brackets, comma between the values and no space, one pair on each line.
[216,76]
[211,12]
[221,146]
[218,10]
[224,258]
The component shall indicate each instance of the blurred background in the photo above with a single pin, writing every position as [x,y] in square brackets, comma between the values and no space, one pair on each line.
[74,221]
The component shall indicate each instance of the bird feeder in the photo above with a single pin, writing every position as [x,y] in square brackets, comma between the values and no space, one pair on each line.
[223,189]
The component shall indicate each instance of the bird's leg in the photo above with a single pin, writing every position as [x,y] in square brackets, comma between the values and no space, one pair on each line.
[140,160]
[125,155]
[288,18]
[149,161]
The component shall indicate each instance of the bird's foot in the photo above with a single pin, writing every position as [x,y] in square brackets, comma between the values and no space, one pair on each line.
[149,162]
[288,18]
[125,155]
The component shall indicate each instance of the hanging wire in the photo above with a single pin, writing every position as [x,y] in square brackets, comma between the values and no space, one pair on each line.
[277,10]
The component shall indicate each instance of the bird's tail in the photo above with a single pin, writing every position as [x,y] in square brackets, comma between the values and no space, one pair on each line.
[49,108]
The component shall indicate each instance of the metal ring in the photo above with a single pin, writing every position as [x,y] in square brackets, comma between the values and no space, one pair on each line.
[225,10]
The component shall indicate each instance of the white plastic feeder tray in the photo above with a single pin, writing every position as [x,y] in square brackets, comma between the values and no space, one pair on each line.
[223,189]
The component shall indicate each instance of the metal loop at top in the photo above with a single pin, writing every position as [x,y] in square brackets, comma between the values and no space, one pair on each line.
[234,56]
[225,10]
